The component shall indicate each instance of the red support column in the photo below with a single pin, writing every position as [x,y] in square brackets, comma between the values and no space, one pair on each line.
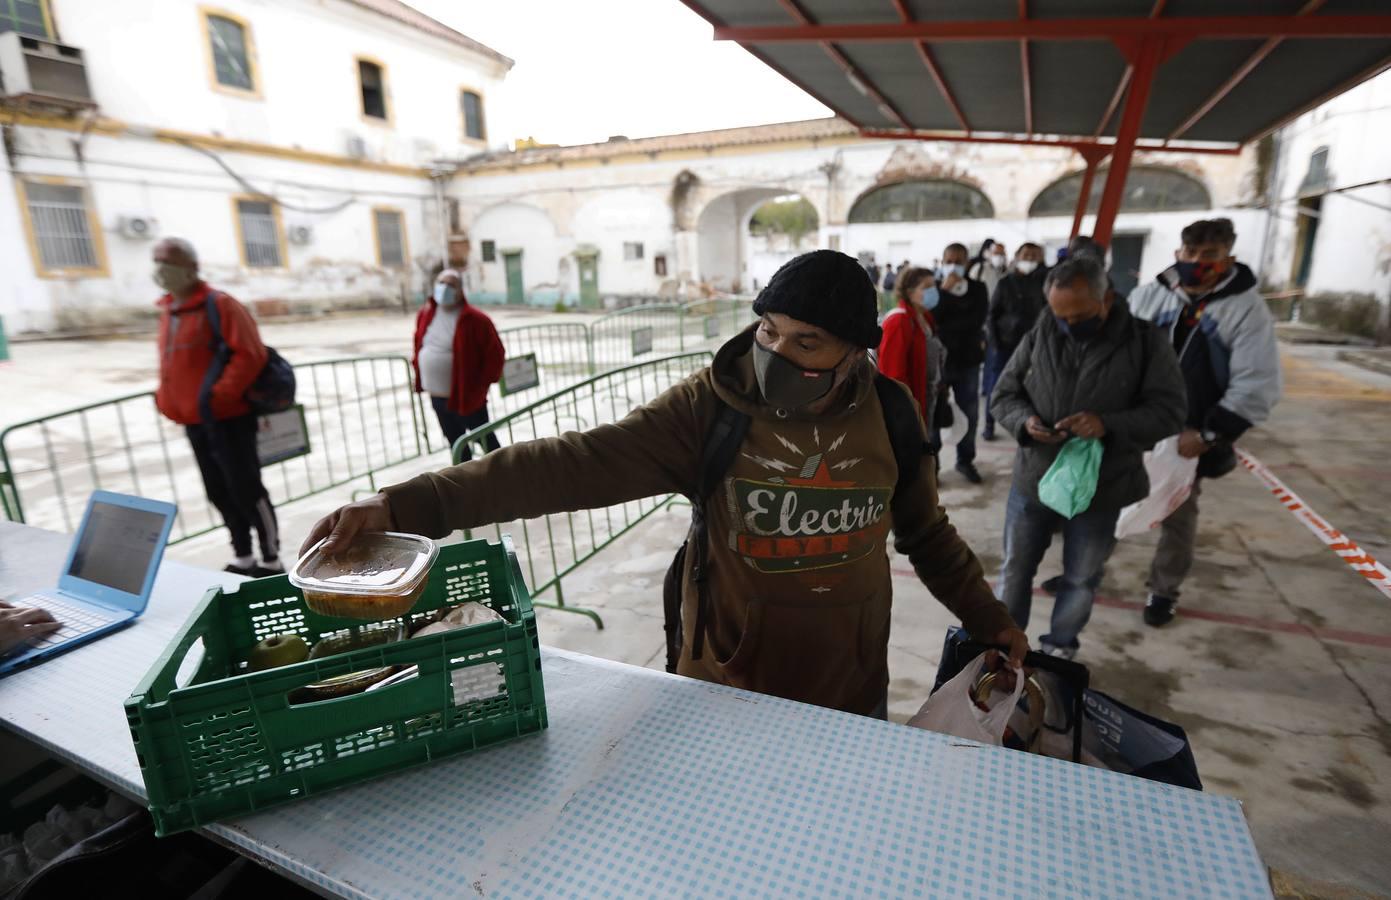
[1146,59]
[1082,197]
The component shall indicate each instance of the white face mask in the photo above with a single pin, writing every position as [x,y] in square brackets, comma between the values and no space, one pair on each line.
[446,295]
[953,269]
[997,260]
[1026,266]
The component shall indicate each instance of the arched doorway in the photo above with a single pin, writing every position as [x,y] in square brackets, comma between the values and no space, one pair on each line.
[730,257]
[778,230]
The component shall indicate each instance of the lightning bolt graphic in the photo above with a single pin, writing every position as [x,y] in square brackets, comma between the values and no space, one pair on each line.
[776,465]
[846,464]
[789,445]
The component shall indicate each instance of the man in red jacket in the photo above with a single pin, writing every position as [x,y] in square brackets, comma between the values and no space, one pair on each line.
[458,355]
[222,433]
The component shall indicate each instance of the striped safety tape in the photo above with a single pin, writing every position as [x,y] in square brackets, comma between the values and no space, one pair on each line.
[1339,543]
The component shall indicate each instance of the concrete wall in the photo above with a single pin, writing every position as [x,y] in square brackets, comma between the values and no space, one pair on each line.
[1352,244]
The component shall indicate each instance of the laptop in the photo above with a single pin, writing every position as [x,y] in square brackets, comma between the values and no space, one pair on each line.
[107,579]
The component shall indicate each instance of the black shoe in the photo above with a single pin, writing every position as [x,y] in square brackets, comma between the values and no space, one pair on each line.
[248,571]
[1053,585]
[968,470]
[1160,610]
[988,433]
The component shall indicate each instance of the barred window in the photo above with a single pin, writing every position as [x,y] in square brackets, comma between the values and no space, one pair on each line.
[24,16]
[260,234]
[62,225]
[921,201]
[489,251]
[632,250]
[391,238]
[231,53]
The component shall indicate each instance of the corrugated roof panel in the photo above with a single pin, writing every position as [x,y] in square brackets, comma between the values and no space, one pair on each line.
[986,81]
[1186,81]
[1073,81]
[915,93]
[1181,8]
[841,12]
[814,68]
[746,12]
[1087,9]
[962,10]
[1295,74]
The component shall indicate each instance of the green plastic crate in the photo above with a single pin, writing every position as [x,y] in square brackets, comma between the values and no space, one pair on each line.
[230,743]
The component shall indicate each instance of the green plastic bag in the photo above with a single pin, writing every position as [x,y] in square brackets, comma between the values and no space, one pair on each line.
[1069,484]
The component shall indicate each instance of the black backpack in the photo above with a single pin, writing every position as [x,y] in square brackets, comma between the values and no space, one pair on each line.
[723,441]
[274,388]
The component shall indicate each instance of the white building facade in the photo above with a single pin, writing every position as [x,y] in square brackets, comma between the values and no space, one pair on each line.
[601,224]
[293,141]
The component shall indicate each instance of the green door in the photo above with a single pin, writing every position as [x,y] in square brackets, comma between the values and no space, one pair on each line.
[516,293]
[589,282]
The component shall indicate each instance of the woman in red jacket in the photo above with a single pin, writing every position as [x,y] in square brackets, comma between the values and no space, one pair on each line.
[458,356]
[910,351]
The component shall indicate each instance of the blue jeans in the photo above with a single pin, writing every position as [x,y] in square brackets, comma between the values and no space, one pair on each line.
[994,365]
[1088,539]
[965,388]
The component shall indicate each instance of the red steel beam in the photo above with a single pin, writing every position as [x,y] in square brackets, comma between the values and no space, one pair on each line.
[925,54]
[1081,145]
[1330,26]
[1155,12]
[1083,195]
[1239,75]
[794,9]
[1137,97]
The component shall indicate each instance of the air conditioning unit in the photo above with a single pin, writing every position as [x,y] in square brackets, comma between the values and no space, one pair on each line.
[43,72]
[138,228]
[357,147]
[300,235]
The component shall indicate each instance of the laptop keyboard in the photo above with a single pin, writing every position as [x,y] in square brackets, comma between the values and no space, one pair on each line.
[76,620]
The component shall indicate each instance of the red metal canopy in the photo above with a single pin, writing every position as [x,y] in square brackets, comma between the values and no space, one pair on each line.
[1200,76]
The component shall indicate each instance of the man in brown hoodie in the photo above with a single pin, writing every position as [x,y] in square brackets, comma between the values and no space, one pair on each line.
[798,578]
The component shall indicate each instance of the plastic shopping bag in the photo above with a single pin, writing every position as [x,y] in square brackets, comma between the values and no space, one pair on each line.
[1069,484]
[1171,481]
[952,711]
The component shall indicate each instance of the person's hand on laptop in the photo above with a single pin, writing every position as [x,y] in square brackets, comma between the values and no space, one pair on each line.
[20,625]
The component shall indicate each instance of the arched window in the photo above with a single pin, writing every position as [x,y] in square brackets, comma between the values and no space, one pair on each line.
[1147,189]
[921,201]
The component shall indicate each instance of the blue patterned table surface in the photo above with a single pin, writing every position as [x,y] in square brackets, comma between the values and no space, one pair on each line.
[650,785]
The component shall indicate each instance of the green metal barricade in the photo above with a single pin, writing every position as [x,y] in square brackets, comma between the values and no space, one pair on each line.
[552,546]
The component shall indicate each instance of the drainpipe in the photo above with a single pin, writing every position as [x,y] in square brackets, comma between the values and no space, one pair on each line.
[440,174]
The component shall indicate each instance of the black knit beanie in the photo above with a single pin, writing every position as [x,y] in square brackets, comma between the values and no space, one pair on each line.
[827,289]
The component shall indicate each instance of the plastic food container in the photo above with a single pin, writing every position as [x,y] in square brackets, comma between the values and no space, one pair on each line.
[380,576]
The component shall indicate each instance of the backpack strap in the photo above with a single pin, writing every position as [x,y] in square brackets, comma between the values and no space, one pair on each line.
[904,427]
[221,354]
[722,443]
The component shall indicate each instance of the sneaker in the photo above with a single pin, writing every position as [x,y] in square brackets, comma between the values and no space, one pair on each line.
[968,470]
[1053,585]
[1059,652]
[1160,610]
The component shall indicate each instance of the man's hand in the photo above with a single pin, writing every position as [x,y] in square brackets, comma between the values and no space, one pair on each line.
[951,281]
[1042,433]
[1191,444]
[1017,642]
[1083,425]
[346,522]
[23,625]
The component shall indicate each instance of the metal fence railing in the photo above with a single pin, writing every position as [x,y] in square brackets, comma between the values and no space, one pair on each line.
[553,546]
[361,416]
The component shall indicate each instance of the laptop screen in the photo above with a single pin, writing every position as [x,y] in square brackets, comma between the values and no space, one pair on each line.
[117,545]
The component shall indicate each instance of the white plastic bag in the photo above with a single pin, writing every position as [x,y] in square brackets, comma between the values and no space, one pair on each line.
[951,710]
[1171,481]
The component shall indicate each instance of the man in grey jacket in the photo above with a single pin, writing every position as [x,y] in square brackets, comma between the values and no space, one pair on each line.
[1087,370]
[1208,306]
